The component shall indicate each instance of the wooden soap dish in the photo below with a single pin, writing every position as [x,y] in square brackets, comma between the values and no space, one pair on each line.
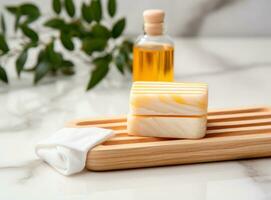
[231,134]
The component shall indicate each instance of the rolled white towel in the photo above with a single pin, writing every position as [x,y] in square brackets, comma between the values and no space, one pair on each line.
[66,150]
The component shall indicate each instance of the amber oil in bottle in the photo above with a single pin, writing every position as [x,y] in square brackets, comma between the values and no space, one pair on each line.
[153,54]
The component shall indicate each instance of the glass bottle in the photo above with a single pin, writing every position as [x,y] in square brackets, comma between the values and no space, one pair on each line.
[153,53]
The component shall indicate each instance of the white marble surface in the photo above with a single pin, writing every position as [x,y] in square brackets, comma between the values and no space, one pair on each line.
[238,71]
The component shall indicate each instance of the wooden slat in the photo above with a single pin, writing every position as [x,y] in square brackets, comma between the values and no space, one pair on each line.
[94,121]
[178,152]
[237,110]
[239,116]
[131,139]
[111,125]
[239,131]
[233,124]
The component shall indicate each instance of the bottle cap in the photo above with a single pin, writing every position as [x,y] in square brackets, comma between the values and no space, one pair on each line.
[154,21]
[154,16]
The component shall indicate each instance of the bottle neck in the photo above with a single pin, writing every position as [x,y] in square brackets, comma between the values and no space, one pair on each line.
[154,29]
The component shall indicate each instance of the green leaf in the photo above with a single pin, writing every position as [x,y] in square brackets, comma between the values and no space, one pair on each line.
[55,23]
[3,24]
[111,7]
[126,49]
[67,63]
[96,10]
[12,9]
[101,59]
[56,4]
[128,45]
[31,11]
[42,67]
[130,65]
[41,56]
[31,44]
[100,31]
[53,57]
[17,21]
[3,44]
[98,74]
[67,68]
[86,12]
[70,8]
[68,71]
[66,40]
[76,29]
[20,62]
[118,28]
[120,62]
[93,44]
[3,75]
[15,11]
[30,33]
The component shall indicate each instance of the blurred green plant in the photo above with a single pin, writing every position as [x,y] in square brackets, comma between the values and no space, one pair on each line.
[89,26]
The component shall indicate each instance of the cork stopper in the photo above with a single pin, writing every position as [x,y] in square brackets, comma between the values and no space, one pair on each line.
[153,22]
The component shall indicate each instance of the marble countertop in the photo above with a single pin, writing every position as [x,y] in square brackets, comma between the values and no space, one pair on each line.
[238,72]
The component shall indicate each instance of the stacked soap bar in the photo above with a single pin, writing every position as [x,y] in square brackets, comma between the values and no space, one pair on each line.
[168,109]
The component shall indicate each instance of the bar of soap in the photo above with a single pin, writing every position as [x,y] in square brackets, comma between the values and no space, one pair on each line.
[169,98]
[169,127]
[167,109]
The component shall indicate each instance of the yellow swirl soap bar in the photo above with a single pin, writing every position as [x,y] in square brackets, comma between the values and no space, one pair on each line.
[169,98]
[167,109]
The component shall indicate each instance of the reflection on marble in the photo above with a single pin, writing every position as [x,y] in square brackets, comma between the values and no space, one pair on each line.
[238,72]
[27,166]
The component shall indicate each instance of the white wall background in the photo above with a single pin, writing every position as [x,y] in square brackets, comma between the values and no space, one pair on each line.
[239,18]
